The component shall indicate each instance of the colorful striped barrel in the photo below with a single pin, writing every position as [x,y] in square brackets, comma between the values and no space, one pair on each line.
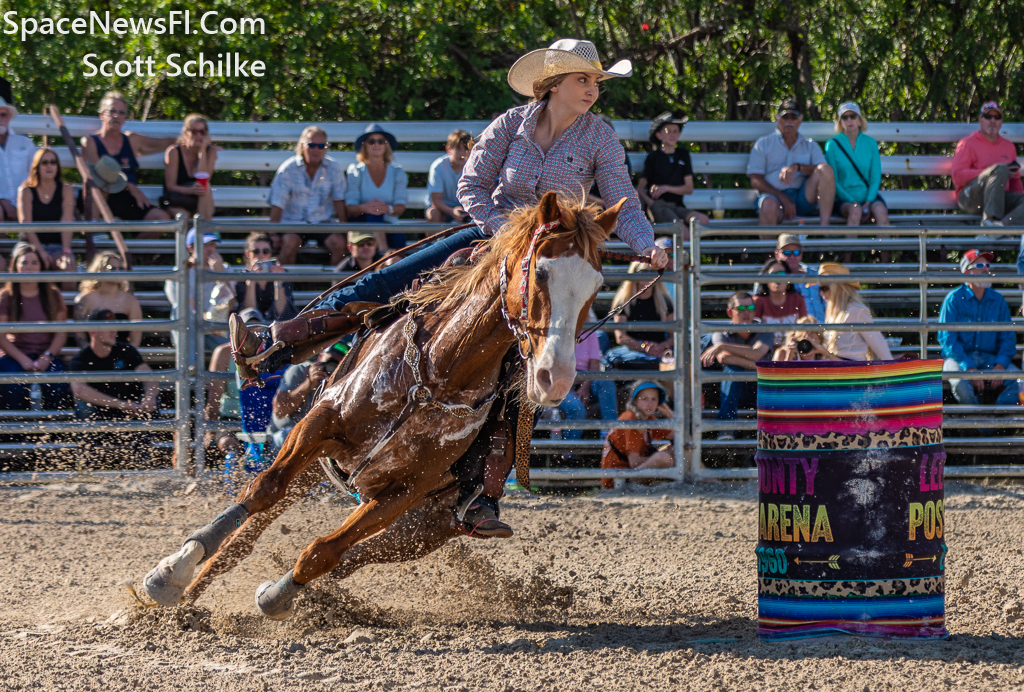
[850,515]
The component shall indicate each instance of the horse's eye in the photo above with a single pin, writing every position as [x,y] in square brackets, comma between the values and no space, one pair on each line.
[541,274]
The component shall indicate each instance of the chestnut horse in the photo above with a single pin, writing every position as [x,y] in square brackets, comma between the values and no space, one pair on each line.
[412,404]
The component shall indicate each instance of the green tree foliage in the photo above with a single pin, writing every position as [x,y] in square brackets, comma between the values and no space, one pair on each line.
[447,59]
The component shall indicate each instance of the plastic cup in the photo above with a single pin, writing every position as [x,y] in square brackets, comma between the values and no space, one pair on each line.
[719,210]
[203,179]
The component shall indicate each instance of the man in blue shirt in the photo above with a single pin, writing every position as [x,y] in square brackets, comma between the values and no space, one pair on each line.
[982,350]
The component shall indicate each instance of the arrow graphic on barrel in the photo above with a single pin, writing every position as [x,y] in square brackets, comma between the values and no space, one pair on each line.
[911,559]
[832,561]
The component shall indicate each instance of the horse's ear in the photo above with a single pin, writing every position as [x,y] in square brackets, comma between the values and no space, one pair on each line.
[609,216]
[548,207]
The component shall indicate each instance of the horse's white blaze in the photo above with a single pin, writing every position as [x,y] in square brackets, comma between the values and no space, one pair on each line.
[571,283]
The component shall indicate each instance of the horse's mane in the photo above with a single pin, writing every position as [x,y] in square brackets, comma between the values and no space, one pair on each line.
[456,284]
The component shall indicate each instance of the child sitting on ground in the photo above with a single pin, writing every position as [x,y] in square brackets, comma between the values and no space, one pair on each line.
[631,448]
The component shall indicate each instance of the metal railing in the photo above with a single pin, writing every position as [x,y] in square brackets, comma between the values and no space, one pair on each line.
[178,376]
[704,275]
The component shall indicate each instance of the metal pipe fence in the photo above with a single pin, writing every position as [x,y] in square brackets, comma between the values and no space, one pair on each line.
[708,274]
[178,376]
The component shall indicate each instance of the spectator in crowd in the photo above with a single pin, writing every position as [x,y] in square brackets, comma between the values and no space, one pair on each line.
[589,359]
[45,197]
[668,175]
[194,154]
[843,305]
[630,448]
[377,187]
[737,352]
[789,251]
[16,155]
[790,172]
[109,295]
[981,350]
[986,173]
[309,188]
[362,249]
[273,299]
[222,401]
[217,297]
[294,396]
[124,198]
[857,165]
[778,302]
[31,351]
[640,349]
[443,180]
[104,401]
[803,345]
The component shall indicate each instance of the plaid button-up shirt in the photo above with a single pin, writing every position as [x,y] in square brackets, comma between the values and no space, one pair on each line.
[304,199]
[507,169]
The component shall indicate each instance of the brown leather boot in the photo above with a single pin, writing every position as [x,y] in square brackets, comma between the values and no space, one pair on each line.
[482,519]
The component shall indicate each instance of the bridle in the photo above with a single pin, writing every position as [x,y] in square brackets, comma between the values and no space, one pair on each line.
[517,325]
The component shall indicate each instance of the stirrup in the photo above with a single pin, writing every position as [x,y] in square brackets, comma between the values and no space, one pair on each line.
[482,522]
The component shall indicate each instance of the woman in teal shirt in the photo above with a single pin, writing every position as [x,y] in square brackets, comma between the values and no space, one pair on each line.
[854,158]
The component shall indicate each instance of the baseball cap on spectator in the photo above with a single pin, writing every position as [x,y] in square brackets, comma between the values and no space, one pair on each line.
[190,238]
[354,237]
[787,239]
[972,256]
[9,107]
[101,315]
[990,106]
[789,106]
[252,316]
[641,386]
[661,121]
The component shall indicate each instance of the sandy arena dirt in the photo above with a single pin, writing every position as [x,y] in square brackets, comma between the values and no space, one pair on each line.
[644,588]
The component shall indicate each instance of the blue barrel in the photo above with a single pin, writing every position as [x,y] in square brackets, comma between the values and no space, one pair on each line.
[851,512]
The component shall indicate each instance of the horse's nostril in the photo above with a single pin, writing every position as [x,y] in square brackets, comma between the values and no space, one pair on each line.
[544,378]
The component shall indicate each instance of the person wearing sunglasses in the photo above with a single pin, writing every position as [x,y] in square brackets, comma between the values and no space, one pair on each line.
[790,172]
[45,197]
[16,156]
[193,154]
[789,250]
[737,352]
[986,172]
[857,164]
[128,204]
[377,187]
[273,299]
[977,301]
[778,302]
[309,188]
[843,305]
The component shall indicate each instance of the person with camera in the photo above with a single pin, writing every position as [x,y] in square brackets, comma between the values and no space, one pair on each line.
[803,345]
[986,172]
[272,298]
[737,352]
[299,385]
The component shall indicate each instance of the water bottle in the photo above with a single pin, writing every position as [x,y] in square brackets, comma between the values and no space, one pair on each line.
[556,415]
[35,395]
[231,473]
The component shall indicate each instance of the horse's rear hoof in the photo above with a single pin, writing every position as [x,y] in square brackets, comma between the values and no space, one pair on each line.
[166,583]
[276,599]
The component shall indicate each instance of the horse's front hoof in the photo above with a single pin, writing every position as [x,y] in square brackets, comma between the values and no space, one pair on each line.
[166,583]
[276,599]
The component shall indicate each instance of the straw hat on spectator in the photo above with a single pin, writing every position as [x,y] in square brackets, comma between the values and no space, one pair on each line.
[9,107]
[108,175]
[834,269]
[564,56]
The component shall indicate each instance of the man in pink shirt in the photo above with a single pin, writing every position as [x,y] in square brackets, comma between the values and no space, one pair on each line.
[986,173]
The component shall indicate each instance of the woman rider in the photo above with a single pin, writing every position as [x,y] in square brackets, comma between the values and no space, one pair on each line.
[553,143]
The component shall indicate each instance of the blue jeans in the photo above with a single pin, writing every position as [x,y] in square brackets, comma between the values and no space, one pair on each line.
[963,390]
[573,409]
[14,397]
[736,394]
[605,391]
[381,286]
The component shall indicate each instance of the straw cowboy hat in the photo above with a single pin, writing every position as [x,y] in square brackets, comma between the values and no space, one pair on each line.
[108,176]
[661,121]
[564,56]
[12,109]
[833,269]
